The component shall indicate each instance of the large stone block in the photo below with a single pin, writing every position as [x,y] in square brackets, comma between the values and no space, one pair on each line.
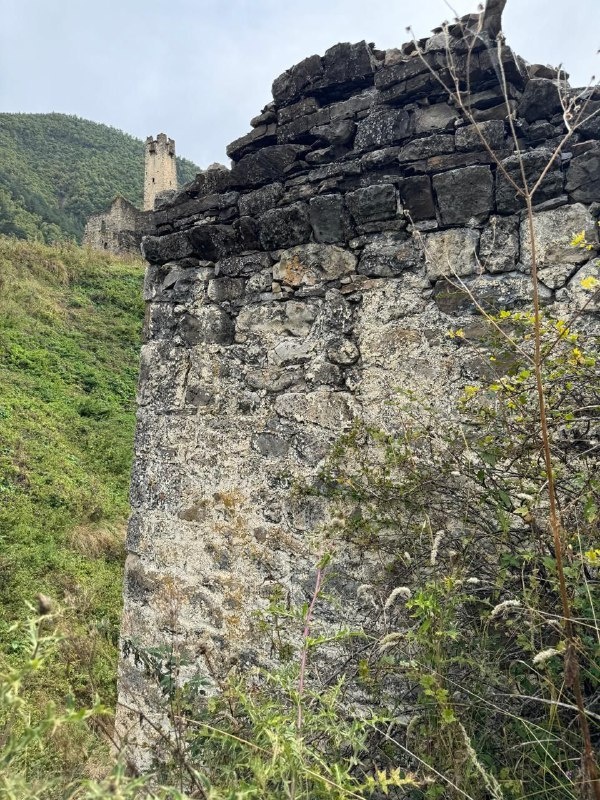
[540,100]
[390,254]
[211,242]
[508,200]
[464,196]
[553,232]
[208,324]
[452,252]
[417,197]
[265,166]
[382,127]
[499,246]
[373,203]
[309,264]
[583,177]
[284,227]
[261,200]
[329,218]
[160,249]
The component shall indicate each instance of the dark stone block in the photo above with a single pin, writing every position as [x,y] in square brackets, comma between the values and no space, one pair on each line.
[266,166]
[246,231]
[468,138]
[160,249]
[383,126]
[389,255]
[211,242]
[213,180]
[258,137]
[583,177]
[304,107]
[507,199]
[295,81]
[464,195]
[346,66]
[210,324]
[437,144]
[329,218]
[540,100]
[340,132]
[285,227]
[261,200]
[372,203]
[417,197]
[222,289]
[242,265]
[299,129]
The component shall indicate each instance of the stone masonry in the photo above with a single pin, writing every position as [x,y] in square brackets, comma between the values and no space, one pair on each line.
[301,289]
[160,173]
[118,230]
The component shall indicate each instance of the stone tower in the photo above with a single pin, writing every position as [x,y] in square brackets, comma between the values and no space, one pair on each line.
[160,172]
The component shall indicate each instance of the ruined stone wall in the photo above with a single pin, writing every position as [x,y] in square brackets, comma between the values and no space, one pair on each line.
[118,230]
[303,288]
[160,168]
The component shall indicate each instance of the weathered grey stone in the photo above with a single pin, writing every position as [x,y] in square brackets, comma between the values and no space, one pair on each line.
[583,177]
[261,200]
[388,255]
[468,137]
[464,195]
[299,318]
[499,246]
[299,129]
[284,227]
[221,289]
[343,352]
[540,100]
[208,324]
[160,249]
[271,445]
[273,379]
[311,263]
[329,218]
[266,166]
[553,231]
[258,137]
[373,203]
[382,127]
[289,351]
[426,147]
[211,242]
[451,252]
[339,132]
[438,117]
[247,264]
[493,293]
[332,410]
[534,163]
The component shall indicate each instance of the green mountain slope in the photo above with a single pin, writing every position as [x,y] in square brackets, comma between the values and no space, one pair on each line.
[70,325]
[56,170]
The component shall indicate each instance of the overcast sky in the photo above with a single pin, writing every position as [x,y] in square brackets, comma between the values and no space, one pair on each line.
[200,69]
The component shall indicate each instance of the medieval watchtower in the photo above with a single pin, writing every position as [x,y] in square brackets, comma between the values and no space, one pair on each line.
[160,172]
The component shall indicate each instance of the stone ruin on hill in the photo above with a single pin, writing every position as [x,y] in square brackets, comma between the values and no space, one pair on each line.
[301,288]
[121,227]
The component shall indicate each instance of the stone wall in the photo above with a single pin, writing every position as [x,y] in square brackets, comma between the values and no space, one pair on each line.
[302,288]
[118,230]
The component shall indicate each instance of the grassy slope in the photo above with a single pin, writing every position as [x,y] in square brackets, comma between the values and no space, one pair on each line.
[56,170]
[70,323]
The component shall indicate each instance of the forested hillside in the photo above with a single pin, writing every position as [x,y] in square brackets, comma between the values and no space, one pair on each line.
[56,170]
[70,324]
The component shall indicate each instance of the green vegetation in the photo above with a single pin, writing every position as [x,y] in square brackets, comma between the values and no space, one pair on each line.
[70,323]
[58,169]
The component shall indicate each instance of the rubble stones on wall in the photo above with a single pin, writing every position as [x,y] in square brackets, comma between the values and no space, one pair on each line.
[304,287]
